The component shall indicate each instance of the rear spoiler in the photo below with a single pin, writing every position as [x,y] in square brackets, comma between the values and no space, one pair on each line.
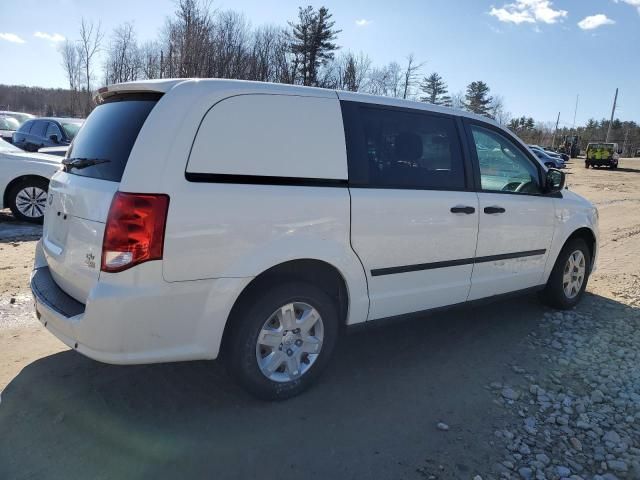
[146,86]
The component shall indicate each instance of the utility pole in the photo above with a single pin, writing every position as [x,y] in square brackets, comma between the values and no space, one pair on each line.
[613,111]
[575,112]
[553,139]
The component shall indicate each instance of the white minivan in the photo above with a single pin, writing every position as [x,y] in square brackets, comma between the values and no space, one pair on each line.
[204,218]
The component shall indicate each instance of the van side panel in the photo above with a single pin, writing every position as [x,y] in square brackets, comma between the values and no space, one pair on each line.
[279,198]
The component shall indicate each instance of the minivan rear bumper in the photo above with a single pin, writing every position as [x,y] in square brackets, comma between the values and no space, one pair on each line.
[126,321]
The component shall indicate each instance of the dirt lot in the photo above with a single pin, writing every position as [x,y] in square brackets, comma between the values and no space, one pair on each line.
[509,390]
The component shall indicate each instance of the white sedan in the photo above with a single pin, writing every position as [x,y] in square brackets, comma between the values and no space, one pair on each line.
[24,181]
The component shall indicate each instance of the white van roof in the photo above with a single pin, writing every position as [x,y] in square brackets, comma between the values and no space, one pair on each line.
[164,85]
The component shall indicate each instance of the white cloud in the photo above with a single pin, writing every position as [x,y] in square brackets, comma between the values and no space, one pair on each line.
[363,22]
[528,11]
[595,21]
[11,37]
[633,3]
[52,37]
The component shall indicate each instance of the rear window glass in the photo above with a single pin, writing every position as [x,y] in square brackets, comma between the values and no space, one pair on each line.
[26,127]
[71,129]
[8,123]
[108,136]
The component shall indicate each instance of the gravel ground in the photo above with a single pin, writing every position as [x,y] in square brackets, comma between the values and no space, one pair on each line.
[582,418]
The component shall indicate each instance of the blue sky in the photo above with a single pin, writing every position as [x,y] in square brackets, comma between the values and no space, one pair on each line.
[537,54]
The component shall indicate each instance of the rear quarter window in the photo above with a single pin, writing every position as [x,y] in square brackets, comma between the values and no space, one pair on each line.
[109,134]
[271,136]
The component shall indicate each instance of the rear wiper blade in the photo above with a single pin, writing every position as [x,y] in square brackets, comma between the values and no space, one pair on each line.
[80,162]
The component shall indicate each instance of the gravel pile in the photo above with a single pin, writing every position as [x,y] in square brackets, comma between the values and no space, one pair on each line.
[581,419]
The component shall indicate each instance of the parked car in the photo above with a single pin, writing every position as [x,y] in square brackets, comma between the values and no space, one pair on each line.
[59,151]
[20,116]
[602,155]
[549,152]
[8,125]
[547,159]
[564,156]
[46,132]
[24,181]
[257,220]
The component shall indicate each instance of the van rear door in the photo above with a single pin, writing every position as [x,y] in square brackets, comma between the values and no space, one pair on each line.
[80,196]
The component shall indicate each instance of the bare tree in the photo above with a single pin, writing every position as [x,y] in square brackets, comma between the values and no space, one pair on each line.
[353,71]
[71,65]
[269,58]
[457,100]
[89,44]
[410,75]
[230,46]
[123,63]
[187,40]
[150,55]
[385,80]
[497,110]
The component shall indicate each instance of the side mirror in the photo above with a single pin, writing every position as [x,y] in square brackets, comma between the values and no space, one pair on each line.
[555,180]
[54,138]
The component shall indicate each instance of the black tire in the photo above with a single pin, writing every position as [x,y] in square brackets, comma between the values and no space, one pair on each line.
[247,322]
[613,167]
[586,164]
[40,183]
[553,293]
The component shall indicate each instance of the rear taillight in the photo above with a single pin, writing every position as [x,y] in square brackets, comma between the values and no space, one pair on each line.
[135,230]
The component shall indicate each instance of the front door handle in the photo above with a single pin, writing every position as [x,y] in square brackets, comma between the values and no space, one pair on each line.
[463,209]
[494,210]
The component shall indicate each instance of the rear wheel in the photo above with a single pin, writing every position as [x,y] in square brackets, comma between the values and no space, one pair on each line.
[281,339]
[28,199]
[586,164]
[568,279]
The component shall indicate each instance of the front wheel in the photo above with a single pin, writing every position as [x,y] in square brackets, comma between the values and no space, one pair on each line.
[28,199]
[586,164]
[568,279]
[281,339]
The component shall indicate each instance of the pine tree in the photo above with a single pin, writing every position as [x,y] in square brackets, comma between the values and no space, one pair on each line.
[350,77]
[435,90]
[477,99]
[311,42]
[529,124]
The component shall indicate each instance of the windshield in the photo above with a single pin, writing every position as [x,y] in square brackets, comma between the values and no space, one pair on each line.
[71,129]
[21,117]
[9,123]
[108,134]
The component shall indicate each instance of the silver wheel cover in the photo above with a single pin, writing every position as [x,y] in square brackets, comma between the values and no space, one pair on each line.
[31,202]
[574,273]
[289,342]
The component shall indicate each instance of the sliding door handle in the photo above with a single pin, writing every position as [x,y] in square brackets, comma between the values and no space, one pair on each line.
[463,209]
[494,210]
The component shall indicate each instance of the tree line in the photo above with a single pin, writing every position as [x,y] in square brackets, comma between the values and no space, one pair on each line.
[200,41]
